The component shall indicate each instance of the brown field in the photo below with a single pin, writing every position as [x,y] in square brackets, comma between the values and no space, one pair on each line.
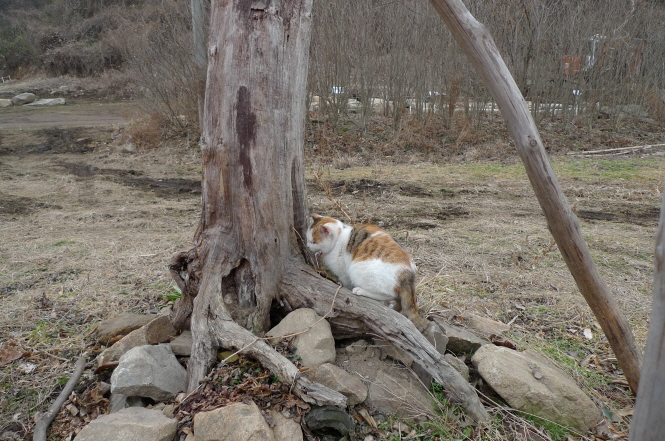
[87,232]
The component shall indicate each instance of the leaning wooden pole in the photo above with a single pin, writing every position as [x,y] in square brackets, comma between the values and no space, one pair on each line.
[479,47]
[648,423]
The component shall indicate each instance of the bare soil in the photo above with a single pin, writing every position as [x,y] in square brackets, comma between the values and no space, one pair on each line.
[87,232]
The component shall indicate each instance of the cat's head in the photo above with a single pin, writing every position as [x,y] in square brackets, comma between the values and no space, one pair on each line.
[322,233]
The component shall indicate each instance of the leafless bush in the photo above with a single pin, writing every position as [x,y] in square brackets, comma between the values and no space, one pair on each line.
[162,61]
[567,58]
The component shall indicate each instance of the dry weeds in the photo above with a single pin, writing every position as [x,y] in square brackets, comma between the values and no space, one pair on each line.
[87,234]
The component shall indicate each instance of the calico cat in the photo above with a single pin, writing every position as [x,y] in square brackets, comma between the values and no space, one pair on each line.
[369,262]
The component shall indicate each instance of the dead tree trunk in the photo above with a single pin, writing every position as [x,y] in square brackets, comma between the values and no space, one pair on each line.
[248,249]
[253,191]
[479,47]
[648,423]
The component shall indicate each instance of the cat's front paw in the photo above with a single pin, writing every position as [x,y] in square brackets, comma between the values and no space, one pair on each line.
[357,291]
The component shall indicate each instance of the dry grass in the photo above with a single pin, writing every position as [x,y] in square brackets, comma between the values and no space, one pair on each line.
[84,238]
[482,245]
[84,249]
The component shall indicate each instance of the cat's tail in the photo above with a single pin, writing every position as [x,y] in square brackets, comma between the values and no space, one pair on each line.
[406,295]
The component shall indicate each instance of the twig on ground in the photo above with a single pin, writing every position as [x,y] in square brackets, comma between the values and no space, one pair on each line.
[45,421]
[616,151]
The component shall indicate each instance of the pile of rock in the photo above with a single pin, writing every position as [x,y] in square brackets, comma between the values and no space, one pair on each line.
[30,99]
[376,378]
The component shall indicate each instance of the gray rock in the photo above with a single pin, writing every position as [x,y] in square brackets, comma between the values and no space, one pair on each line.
[632,110]
[149,371]
[182,344]
[23,98]
[130,424]
[531,383]
[484,327]
[129,147]
[235,422]
[458,364]
[158,330]
[5,103]
[460,341]
[46,102]
[325,419]
[122,324]
[286,429]
[339,380]
[357,346]
[393,389]
[436,335]
[396,392]
[386,349]
[118,402]
[315,345]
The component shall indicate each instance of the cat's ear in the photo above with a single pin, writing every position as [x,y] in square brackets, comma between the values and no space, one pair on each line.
[316,217]
[325,231]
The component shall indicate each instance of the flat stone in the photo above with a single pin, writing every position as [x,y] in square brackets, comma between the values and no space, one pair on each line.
[158,330]
[286,429]
[339,380]
[182,344]
[531,383]
[483,326]
[5,103]
[460,341]
[396,392]
[23,98]
[47,102]
[130,424]
[122,324]
[235,422]
[149,371]
[314,341]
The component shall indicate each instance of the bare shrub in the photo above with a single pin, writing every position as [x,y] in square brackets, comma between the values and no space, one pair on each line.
[162,63]
[148,131]
[570,59]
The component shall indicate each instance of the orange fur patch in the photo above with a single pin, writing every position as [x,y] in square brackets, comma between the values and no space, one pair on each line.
[317,233]
[371,242]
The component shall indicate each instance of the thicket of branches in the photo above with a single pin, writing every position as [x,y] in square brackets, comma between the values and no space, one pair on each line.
[402,51]
[394,57]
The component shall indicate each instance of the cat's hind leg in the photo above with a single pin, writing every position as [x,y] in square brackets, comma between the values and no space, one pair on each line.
[389,301]
[372,295]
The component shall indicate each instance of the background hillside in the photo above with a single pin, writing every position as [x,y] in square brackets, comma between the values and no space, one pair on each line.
[572,59]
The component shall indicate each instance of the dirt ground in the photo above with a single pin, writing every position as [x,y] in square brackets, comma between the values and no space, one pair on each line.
[87,232]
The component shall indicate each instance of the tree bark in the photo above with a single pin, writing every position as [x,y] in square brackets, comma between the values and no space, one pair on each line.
[648,423]
[477,44]
[253,179]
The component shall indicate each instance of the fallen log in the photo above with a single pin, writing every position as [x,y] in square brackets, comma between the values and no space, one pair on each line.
[616,150]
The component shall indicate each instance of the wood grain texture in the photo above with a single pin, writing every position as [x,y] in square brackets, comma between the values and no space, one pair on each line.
[253,189]
[649,421]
